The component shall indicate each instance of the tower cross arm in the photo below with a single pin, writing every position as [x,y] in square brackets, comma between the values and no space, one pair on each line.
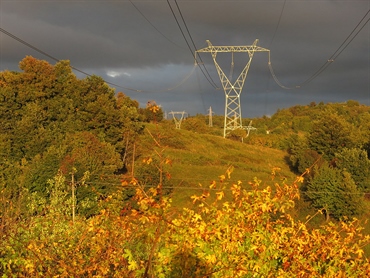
[240,48]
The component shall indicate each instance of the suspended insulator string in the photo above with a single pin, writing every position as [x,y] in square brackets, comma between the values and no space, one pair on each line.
[232,67]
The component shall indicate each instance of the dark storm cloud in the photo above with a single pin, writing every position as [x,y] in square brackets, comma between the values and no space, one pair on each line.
[138,45]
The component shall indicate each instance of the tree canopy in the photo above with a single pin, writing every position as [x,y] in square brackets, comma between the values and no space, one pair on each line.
[51,120]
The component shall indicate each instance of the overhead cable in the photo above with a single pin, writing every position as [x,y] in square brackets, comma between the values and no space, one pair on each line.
[195,48]
[57,60]
[201,187]
[85,73]
[278,24]
[336,54]
[153,25]
[332,58]
[207,76]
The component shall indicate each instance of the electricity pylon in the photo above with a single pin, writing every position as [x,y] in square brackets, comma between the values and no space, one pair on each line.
[210,122]
[249,128]
[233,115]
[178,120]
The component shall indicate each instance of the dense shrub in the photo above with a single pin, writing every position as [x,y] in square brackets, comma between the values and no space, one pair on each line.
[248,234]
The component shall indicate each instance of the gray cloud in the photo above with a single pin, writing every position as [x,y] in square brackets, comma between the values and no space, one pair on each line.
[113,39]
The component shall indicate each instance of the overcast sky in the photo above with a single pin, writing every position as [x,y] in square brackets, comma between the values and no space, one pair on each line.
[142,47]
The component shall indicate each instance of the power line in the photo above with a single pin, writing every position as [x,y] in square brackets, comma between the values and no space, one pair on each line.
[178,24]
[278,24]
[272,40]
[85,73]
[57,60]
[154,26]
[207,76]
[201,187]
[332,58]
[195,48]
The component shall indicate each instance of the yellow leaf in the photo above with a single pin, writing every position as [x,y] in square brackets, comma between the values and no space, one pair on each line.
[256,268]
[222,178]
[197,217]
[220,195]
[275,170]
[265,207]
[154,108]
[229,171]
[195,198]
[205,194]
[211,259]
[132,265]
[133,181]
[213,184]
[124,183]
[300,179]
[359,252]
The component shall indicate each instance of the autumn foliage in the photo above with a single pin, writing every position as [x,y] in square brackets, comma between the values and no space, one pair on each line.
[230,231]
[56,125]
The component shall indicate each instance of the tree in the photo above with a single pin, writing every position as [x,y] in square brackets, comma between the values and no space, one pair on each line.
[45,102]
[356,162]
[195,124]
[330,134]
[132,126]
[86,153]
[301,157]
[152,112]
[48,115]
[334,191]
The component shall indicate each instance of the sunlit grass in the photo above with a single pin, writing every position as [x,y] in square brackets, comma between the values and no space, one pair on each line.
[201,158]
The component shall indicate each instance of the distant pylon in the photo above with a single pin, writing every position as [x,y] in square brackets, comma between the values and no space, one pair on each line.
[233,115]
[210,123]
[249,128]
[178,120]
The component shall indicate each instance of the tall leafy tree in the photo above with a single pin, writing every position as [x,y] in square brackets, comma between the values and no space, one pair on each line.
[48,114]
[334,191]
[356,162]
[330,134]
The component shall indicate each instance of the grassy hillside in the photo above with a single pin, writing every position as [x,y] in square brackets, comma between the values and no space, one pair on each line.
[201,158]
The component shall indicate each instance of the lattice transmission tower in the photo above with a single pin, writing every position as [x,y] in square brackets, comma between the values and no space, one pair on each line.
[178,117]
[233,115]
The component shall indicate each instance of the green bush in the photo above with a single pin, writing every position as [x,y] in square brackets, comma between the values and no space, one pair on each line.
[334,191]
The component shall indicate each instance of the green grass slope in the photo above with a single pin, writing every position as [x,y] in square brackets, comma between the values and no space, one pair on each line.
[201,158]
